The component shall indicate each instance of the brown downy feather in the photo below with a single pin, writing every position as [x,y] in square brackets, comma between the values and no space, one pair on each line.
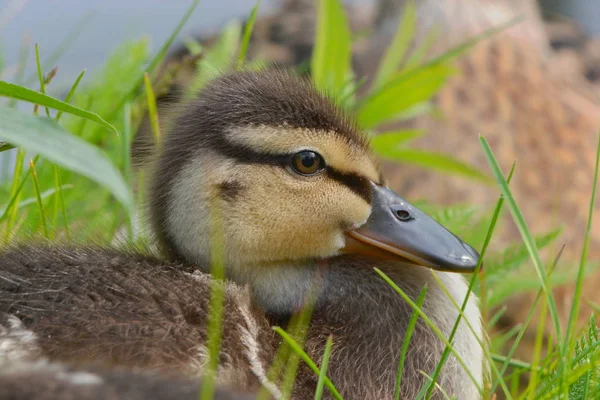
[42,380]
[90,306]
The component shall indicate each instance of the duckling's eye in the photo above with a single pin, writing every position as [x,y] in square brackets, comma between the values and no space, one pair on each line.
[307,162]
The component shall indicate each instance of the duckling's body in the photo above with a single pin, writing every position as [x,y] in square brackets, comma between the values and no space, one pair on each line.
[42,380]
[111,308]
[301,209]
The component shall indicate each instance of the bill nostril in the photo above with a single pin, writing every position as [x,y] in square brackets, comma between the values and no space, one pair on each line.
[403,215]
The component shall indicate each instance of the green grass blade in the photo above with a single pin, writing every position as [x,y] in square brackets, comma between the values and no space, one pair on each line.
[470,43]
[402,93]
[310,363]
[487,241]
[44,195]
[398,47]
[443,58]
[431,325]
[32,96]
[330,62]
[247,35]
[70,93]
[515,363]
[40,204]
[217,59]
[421,52]
[217,298]
[435,161]
[61,198]
[152,111]
[45,137]
[323,370]
[40,74]
[523,329]
[5,146]
[10,213]
[158,57]
[488,238]
[126,140]
[407,337]
[525,234]
[584,253]
[385,141]
[298,328]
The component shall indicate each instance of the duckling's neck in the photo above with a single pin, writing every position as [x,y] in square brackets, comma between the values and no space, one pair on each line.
[368,320]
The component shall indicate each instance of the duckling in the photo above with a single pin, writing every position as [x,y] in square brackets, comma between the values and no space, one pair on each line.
[303,209]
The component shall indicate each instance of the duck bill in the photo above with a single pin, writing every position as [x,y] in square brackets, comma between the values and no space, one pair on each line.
[400,231]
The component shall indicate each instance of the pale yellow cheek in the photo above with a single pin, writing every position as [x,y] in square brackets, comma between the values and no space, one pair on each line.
[283,222]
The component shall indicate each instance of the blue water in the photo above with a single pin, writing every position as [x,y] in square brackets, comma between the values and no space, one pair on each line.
[110,23]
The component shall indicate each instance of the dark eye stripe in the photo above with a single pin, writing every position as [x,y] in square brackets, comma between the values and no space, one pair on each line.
[358,184]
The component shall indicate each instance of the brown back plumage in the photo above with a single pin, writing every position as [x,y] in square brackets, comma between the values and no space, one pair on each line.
[42,380]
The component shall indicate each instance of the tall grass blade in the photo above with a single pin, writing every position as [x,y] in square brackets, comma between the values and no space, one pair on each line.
[40,74]
[298,328]
[44,136]
[247,35]
[158,57]
[412,323]
[398,48]
[525,234]
[44,195]
[323,370]
[70,94]
[383,142]
[152,111]
[431,325]
[434,161]
[401,93]
[524,326]
[32,96]
[61,200]
[36,186]
[217,59]
[330,62]
[10,213]
[573,315]
[217,297]
[488,238]
[310,363]
[447,56]
[421,52]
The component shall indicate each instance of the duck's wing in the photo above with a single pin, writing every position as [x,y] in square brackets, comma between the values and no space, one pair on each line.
[44,380]
[83,305]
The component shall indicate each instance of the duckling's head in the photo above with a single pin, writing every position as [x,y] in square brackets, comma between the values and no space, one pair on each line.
[289,177]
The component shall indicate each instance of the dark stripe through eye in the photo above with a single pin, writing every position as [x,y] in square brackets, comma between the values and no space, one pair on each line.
[358,184]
